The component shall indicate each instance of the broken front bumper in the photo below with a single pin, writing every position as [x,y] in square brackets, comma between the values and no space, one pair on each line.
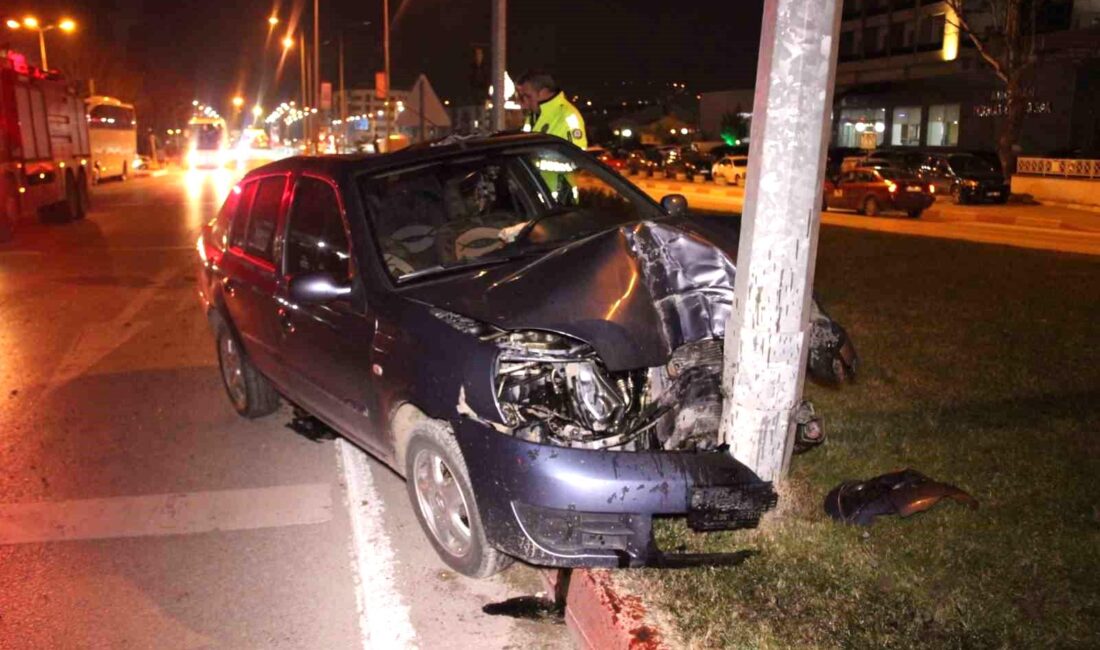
[574,507]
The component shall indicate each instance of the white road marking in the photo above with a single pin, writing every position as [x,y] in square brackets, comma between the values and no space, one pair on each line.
[384,620]
[166,514]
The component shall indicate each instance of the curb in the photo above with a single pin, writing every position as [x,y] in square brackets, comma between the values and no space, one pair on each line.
[597,615]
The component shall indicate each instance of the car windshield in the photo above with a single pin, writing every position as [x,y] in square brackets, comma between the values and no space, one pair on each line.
[480,209]
[971,165]
[207,136]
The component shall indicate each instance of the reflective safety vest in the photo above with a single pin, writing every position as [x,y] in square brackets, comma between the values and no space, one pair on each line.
[557,116]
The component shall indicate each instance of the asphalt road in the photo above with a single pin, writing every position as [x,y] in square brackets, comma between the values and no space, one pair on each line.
[138,511]
[1026,226]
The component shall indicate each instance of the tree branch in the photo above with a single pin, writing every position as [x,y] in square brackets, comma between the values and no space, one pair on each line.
[963,26]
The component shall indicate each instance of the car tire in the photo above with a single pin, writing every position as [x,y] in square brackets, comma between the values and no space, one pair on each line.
[737,180]
[439,489]
[9,213]
[250,393]
[70,208]
[870,206]
[915,213]
[82,195]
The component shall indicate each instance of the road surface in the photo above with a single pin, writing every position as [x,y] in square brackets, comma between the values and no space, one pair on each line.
[138,511]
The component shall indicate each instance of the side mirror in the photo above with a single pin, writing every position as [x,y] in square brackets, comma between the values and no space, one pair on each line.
[317,288]
[675,205]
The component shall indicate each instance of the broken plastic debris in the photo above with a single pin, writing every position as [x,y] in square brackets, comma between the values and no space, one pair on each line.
[898,493]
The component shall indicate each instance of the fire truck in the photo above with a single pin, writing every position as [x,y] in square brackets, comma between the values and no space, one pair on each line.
[43,146]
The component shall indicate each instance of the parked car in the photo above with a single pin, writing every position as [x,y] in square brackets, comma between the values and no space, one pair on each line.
[531,341]
[644,161]
[872,191]
[730,169]
[613,158]
[688,163]
[966,177]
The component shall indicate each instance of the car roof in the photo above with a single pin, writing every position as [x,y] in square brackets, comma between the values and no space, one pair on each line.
[337,165]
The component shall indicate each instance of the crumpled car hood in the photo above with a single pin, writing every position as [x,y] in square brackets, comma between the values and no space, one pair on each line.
[634,293]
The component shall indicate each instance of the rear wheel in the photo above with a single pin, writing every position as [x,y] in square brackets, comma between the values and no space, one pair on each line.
[870,206]
[915,213]
[249,392]
[438,484]
[82,195]
[72,207]
[737,180]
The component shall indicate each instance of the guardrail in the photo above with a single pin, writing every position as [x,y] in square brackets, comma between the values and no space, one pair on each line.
[1066,167]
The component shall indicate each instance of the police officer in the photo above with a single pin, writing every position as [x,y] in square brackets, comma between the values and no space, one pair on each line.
[548,111]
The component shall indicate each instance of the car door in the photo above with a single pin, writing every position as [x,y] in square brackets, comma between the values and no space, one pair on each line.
[327,346]
[842,191]
[250,279]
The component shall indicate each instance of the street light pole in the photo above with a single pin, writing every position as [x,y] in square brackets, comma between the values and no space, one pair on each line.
[386,72]
[500,37]
[316,86]
[304,79]
[42,48]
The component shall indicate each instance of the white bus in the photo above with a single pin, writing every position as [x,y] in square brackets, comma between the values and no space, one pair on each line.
[112,134]
[208,142]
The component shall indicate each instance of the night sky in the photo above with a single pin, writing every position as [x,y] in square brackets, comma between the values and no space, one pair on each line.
[217,47]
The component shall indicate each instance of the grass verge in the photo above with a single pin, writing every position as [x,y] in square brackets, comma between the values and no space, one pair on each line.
[981,367]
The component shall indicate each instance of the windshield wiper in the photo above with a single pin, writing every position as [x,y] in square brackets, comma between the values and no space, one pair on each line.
[440,269]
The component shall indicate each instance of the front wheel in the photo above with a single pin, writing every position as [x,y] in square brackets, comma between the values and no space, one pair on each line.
[870,206]
[439,489]
[249,392]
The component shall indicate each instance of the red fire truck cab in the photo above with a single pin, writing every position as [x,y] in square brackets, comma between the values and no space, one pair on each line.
[43,146]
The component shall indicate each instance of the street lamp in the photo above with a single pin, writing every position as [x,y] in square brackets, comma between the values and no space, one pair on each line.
[274,20]
[66,25]
[238,102]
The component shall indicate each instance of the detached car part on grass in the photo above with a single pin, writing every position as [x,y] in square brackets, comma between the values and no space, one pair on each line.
[547,395]
[903,493]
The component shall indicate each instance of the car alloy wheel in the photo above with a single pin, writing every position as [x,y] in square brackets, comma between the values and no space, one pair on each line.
[232,366]
[441,502]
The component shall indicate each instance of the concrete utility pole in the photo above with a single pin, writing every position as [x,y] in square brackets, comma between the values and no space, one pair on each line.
[768,332]
[500,53]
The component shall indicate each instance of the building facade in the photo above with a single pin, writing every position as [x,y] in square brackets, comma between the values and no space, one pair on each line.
[906,77]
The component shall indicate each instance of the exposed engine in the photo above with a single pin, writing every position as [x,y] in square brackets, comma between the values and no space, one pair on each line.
[554,390]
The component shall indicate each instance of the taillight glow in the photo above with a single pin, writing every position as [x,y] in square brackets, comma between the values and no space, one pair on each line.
[931,189]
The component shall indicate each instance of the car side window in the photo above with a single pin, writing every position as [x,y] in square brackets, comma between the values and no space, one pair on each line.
[316,241]
[239,226]
[219,225]
[263,217]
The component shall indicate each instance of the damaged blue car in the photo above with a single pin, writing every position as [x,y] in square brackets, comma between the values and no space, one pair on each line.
[526,337]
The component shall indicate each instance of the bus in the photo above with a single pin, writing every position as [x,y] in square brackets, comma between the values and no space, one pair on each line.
[112,131]
[207,143]
[44,154]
